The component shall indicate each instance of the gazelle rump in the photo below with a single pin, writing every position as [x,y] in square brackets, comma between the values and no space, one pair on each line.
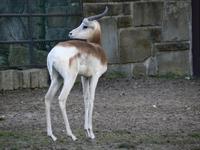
[68,59]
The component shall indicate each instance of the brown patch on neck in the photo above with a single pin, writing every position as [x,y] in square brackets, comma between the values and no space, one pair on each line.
[87,48]
[96,38]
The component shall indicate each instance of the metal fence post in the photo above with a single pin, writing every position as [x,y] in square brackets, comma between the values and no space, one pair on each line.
[30,33]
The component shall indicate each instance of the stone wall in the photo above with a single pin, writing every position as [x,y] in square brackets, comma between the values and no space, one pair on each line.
[146,37]
[19,79]
[141,38]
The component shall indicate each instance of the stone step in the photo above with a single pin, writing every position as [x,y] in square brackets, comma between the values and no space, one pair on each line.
[18,79]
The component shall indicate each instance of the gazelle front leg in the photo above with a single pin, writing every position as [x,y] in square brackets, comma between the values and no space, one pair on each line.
[93,85]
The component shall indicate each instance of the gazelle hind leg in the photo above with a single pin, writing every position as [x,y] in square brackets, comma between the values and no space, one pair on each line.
[68,84]
[55,85]
[93,84]
[85,85]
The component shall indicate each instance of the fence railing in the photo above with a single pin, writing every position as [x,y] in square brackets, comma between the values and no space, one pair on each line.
[30,40]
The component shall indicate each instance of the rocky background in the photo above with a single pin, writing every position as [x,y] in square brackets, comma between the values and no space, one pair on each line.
[140,37]
[146,37]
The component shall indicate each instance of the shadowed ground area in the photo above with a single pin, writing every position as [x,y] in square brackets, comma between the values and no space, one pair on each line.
[150,114]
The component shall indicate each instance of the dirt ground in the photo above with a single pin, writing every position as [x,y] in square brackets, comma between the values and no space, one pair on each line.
[142,114]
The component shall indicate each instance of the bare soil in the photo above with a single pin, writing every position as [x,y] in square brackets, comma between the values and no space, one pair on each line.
[142,114]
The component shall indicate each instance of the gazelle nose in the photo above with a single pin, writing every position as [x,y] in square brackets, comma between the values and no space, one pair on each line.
[70,34]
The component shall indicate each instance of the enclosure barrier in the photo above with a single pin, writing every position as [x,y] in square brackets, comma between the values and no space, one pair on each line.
[19,79]
[30,39]
[23,75]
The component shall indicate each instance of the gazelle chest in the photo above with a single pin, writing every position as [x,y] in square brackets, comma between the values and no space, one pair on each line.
[88,65]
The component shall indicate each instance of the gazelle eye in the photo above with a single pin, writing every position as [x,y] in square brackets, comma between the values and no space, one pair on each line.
[85,27]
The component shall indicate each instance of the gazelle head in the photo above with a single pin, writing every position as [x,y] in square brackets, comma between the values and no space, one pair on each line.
[89,29]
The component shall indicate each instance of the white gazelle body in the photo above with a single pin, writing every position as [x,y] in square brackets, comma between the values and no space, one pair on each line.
[68,59]
[85,65]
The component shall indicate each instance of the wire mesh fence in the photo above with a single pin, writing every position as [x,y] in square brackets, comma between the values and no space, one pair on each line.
[31,28]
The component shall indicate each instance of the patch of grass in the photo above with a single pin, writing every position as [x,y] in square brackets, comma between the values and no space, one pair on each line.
[126,146]
[115,74]
[119,139]
[2,134]
[151,139]
[127,140]
[171,75]
[195,135]
[196,148]
[2,119]
[14,148]
[17,140]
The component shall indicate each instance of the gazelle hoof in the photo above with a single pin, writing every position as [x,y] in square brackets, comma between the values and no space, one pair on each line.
[73,138]
[92,136]
[89,133]
[53,137]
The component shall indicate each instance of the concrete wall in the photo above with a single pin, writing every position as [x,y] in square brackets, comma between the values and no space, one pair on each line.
[146,37]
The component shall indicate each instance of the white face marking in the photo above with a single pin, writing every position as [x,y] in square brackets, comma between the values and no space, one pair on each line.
[84,31]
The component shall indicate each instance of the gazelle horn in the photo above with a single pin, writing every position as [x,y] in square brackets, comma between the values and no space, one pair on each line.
[96,17]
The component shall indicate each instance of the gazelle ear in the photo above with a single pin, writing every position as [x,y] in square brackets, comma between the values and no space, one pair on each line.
[96,17]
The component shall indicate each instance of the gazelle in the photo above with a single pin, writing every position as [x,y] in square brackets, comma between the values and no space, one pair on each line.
[68,59]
